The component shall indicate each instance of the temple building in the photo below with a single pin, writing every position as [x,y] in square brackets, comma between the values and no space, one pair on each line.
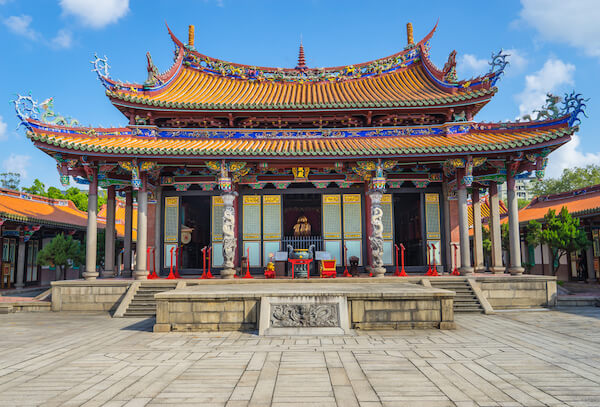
[346,162]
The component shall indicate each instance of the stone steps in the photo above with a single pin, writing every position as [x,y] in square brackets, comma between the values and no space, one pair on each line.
[465,299]
[143,304]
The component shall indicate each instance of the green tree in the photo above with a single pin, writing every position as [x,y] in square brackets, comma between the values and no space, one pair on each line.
[78,197]
[10,180]
[570,179]
[61,252]
[562,233]
[523,203]
[54,193]
[38,188]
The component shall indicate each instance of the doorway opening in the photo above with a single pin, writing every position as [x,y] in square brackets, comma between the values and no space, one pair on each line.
[408,228]
[195,230]
[302,224]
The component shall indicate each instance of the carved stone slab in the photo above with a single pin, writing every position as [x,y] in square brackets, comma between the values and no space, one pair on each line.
[304,315]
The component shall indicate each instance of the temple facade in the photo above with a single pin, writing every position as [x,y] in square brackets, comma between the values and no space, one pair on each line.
[356,162]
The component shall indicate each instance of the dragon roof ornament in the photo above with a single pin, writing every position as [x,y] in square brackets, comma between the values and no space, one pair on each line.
[497,65]
[101,68]
[573,104]
[27,108]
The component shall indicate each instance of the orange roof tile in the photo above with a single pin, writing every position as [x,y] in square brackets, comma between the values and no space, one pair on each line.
[471,141]
[578,202]
[25,207]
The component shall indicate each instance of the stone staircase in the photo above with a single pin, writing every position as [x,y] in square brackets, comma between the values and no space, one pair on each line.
[465,300]
[143,304]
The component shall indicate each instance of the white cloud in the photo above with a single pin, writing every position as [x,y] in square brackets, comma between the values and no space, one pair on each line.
[63,39]
[21,25]
[518,60]
[469,65]
[96,13]
[569,156]
[3,132]
[572,22]
[17,163]
[553,75]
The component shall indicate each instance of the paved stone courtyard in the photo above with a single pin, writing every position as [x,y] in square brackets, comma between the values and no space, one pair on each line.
[545,358]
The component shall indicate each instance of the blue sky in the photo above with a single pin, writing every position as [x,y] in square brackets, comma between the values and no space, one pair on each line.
[47,45]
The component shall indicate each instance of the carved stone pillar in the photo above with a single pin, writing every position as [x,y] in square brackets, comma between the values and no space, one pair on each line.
[109,235]
[229,236]
[376,237]
[513,226]
[141,257]
[91,236]
[478,264]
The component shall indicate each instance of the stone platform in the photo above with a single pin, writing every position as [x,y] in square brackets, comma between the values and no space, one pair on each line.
[227,306]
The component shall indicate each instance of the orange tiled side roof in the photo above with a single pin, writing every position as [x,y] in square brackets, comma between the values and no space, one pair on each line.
[472,141]
[577,202]
[409,86]
[24,207]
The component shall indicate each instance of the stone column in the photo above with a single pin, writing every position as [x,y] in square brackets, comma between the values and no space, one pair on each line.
[229,236]
[128,233]
[589,255]
[447,228]
[463,227]
[91,236]
[20,280]
[513,226]
[109,235]
[141,262]
[495,230]
[478,263]
[376,237]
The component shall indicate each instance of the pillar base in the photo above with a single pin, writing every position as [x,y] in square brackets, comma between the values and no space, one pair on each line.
[516,271]
[90,275]
[479,269]
[227,273]
[19,285]
[108,274]
[140,275]
[498,270]
[378,271]
[465,271]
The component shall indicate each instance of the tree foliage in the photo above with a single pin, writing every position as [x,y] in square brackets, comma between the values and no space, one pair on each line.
[562,233]
[571,178]
[10,180]
[75,195]
[61,252]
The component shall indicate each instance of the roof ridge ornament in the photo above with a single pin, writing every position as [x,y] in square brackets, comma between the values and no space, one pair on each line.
[497,65]
[27,108]
[101,68]
[573,104]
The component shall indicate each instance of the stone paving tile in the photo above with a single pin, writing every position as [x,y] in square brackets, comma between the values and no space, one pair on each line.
[510,359]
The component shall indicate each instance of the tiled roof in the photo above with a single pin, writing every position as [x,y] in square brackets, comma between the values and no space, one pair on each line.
[579,202]
[405,79]
[406,87]
[23,207]
[475,141]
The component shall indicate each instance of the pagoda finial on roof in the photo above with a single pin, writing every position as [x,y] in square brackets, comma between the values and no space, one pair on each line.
[409,34]
[191,36]
[301,59]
